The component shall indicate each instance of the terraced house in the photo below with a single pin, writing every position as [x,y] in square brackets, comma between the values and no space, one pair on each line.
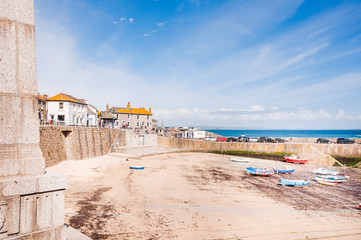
[64,109]
[135,118]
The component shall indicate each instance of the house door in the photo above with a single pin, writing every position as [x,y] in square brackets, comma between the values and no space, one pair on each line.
[141,140]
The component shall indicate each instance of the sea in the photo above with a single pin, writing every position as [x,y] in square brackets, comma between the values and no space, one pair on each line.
[288,133]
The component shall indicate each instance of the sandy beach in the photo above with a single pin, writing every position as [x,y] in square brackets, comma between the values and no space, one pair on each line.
[204,196]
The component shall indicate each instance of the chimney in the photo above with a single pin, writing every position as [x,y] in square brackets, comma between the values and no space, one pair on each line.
[128,105]
[107,107]
[150,109]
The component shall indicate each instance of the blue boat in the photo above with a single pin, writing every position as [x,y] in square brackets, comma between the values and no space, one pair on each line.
[294,183]
[136,167]
[288,170]
[260,171]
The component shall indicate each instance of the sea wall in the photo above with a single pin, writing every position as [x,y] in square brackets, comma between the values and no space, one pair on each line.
[75,143]
[316,153]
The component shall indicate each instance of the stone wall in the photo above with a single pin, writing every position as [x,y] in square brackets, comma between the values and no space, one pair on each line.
[75,143]
[316,153]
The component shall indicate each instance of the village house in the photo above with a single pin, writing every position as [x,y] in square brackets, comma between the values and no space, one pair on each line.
[64,109]
[134,118]
[42,109]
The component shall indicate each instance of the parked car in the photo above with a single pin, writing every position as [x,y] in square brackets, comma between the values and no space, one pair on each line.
[221,139]
[231,139]
[265,140]
[253,139]
[323,140]
[279,140]
[345,141]
[243,138]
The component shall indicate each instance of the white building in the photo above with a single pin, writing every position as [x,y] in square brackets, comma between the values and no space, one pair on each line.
[194,134]
[64,109]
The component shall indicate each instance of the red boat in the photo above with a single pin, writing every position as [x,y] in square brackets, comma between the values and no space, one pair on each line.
[294,159]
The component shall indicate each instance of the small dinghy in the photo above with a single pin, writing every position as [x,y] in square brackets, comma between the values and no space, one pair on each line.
[137,167]
[287,170]
[325,182]
[294,159]
[324,171]
[294,183]
[240,160]
[260,171]
[332,178]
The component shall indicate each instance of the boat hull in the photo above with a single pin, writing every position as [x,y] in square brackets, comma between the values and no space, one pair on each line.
[299,161]
[294,183]
[240,160]
[137,167]
[282,171]
[332,178]
[260,172]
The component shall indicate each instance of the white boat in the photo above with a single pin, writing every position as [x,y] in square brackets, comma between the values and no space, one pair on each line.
[240,160]
[324,171]
[325,182]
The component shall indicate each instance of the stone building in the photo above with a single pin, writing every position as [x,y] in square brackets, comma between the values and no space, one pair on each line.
[31,201]
[134,118]
[42,109]
[66,110]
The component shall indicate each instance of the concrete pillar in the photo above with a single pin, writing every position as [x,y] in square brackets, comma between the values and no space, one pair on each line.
[30,200]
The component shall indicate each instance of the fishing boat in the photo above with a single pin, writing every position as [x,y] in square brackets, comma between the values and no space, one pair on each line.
[260,171]
[294,159]
[137,167]
[332,178]
[294,183]
[325,182]
[324,171]
[240,160]
[287,170]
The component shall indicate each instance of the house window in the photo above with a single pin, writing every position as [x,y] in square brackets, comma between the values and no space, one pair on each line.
[137,124]
[52,117]
[137,116]
[147,117]
[147,124]
[61,118]
[61,106]
[128,124]
[128,116]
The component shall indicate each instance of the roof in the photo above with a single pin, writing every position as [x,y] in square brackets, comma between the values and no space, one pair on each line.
[134,111]
[42,98]
[66,98]
[108,116]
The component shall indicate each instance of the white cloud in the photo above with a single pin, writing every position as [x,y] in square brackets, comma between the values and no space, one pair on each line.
[123,19]
[131,20]
[146,34]
[160,24]
[115,22]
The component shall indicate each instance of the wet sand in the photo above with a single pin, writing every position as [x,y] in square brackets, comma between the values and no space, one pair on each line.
[205,196]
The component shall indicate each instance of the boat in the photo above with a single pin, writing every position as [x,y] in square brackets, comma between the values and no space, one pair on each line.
[325,182]
[332,178]
[287,170]
[240,160]
[324,171]
[137,167]
[260,171]
[294,183]
[294,159]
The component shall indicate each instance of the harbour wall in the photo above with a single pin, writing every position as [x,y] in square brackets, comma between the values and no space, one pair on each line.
[318,154]
[60,143]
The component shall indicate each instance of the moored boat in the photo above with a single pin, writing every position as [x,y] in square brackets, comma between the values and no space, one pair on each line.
[294,159]
[240,160]
[294,183]
[260,171]
[332,178]
[137,167]
[287,170]
[324,171]
[325,182]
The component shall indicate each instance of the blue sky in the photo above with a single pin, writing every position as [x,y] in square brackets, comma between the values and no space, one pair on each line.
[231,63]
